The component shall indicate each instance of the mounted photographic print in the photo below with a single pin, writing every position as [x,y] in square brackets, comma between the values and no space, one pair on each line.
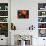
[42,25]
[3,19]
[41,13]
[41,19]
[41,6]
[3,13]
[23,14]
[4,29]
[42,32]
[3,6]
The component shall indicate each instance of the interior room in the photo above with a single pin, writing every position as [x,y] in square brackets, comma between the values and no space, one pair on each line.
[22,23]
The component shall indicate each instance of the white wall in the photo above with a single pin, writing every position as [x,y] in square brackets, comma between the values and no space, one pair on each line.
[23,24]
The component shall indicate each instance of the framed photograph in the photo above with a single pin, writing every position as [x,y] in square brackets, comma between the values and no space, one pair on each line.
[3,13]
[41,25]
[4,29]
[41,19]
[42,33]
[3,6]
[41,13]
[3,19]
[23,14]
[41,6]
